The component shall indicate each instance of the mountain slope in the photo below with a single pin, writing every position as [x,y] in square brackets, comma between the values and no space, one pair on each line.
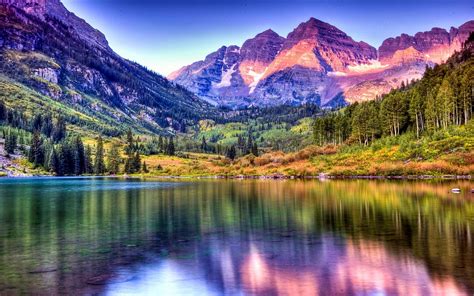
[55,54]
[319,63]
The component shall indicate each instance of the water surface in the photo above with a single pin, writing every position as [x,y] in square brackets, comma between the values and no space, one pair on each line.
[251,237]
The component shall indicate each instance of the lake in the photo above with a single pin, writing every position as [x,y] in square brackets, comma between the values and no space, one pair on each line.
[235,237]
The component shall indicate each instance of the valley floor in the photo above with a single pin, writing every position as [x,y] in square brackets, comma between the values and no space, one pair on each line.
[314,161]
[310,162]
[451,153]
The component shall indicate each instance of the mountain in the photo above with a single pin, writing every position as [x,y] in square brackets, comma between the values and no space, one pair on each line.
[315,63]
[58,61]
[231,72]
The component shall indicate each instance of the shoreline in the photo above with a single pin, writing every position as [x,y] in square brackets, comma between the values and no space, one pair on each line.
[259,177]
[355,177]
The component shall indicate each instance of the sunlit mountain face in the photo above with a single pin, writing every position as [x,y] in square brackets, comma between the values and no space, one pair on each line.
[316,63]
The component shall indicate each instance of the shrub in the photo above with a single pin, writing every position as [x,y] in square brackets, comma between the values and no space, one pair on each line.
[262,160]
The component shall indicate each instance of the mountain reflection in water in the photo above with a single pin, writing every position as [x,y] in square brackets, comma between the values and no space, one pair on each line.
[325,266]
[235,237]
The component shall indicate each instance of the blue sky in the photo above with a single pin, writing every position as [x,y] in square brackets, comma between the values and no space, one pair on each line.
[167,34]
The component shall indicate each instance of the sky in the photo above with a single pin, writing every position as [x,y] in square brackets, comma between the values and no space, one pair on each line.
[165,35]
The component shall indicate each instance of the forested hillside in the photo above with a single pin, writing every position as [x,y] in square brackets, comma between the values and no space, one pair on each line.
[54,60]
[444,97]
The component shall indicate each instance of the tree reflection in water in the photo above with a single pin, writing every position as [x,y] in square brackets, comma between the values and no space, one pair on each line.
[236,237]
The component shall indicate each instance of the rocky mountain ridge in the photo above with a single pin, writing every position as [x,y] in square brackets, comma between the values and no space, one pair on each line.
[44,9]
[49,50]
[315,63]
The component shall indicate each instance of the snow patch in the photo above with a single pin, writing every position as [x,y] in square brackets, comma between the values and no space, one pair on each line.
[226,77]
[256,79]
[337,74]
[372,65]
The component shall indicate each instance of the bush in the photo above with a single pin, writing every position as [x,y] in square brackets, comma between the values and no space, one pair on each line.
[262,160]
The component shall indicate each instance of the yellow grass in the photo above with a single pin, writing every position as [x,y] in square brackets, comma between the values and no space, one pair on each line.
[311,161]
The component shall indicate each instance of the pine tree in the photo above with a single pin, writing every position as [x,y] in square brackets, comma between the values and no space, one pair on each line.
[99,164]
[170,150]
[255,149]
[130,148]
[129,165]
[136,162]
[47,155]
[144,167]
[160,145]
[53,162]
[240,143]
[165,146]
[59,130]
[249,146]
[61,168]
[79,156]
[37,123]
[47,126]
[68,158]
[231,152]
[10,142]
[138,146]
[62,163]
[88,166]
[36,155]
[113,160]
[203,144]
[3,112]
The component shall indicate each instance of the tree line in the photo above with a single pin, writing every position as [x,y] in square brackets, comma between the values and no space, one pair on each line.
[47,145]
[71,157]
[53,128]
[243,147]
[442,98]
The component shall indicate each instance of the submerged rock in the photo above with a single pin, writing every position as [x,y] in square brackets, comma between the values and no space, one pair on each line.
[105,279]
[43,270]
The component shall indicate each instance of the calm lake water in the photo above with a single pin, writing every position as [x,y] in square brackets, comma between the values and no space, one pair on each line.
[252,237]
